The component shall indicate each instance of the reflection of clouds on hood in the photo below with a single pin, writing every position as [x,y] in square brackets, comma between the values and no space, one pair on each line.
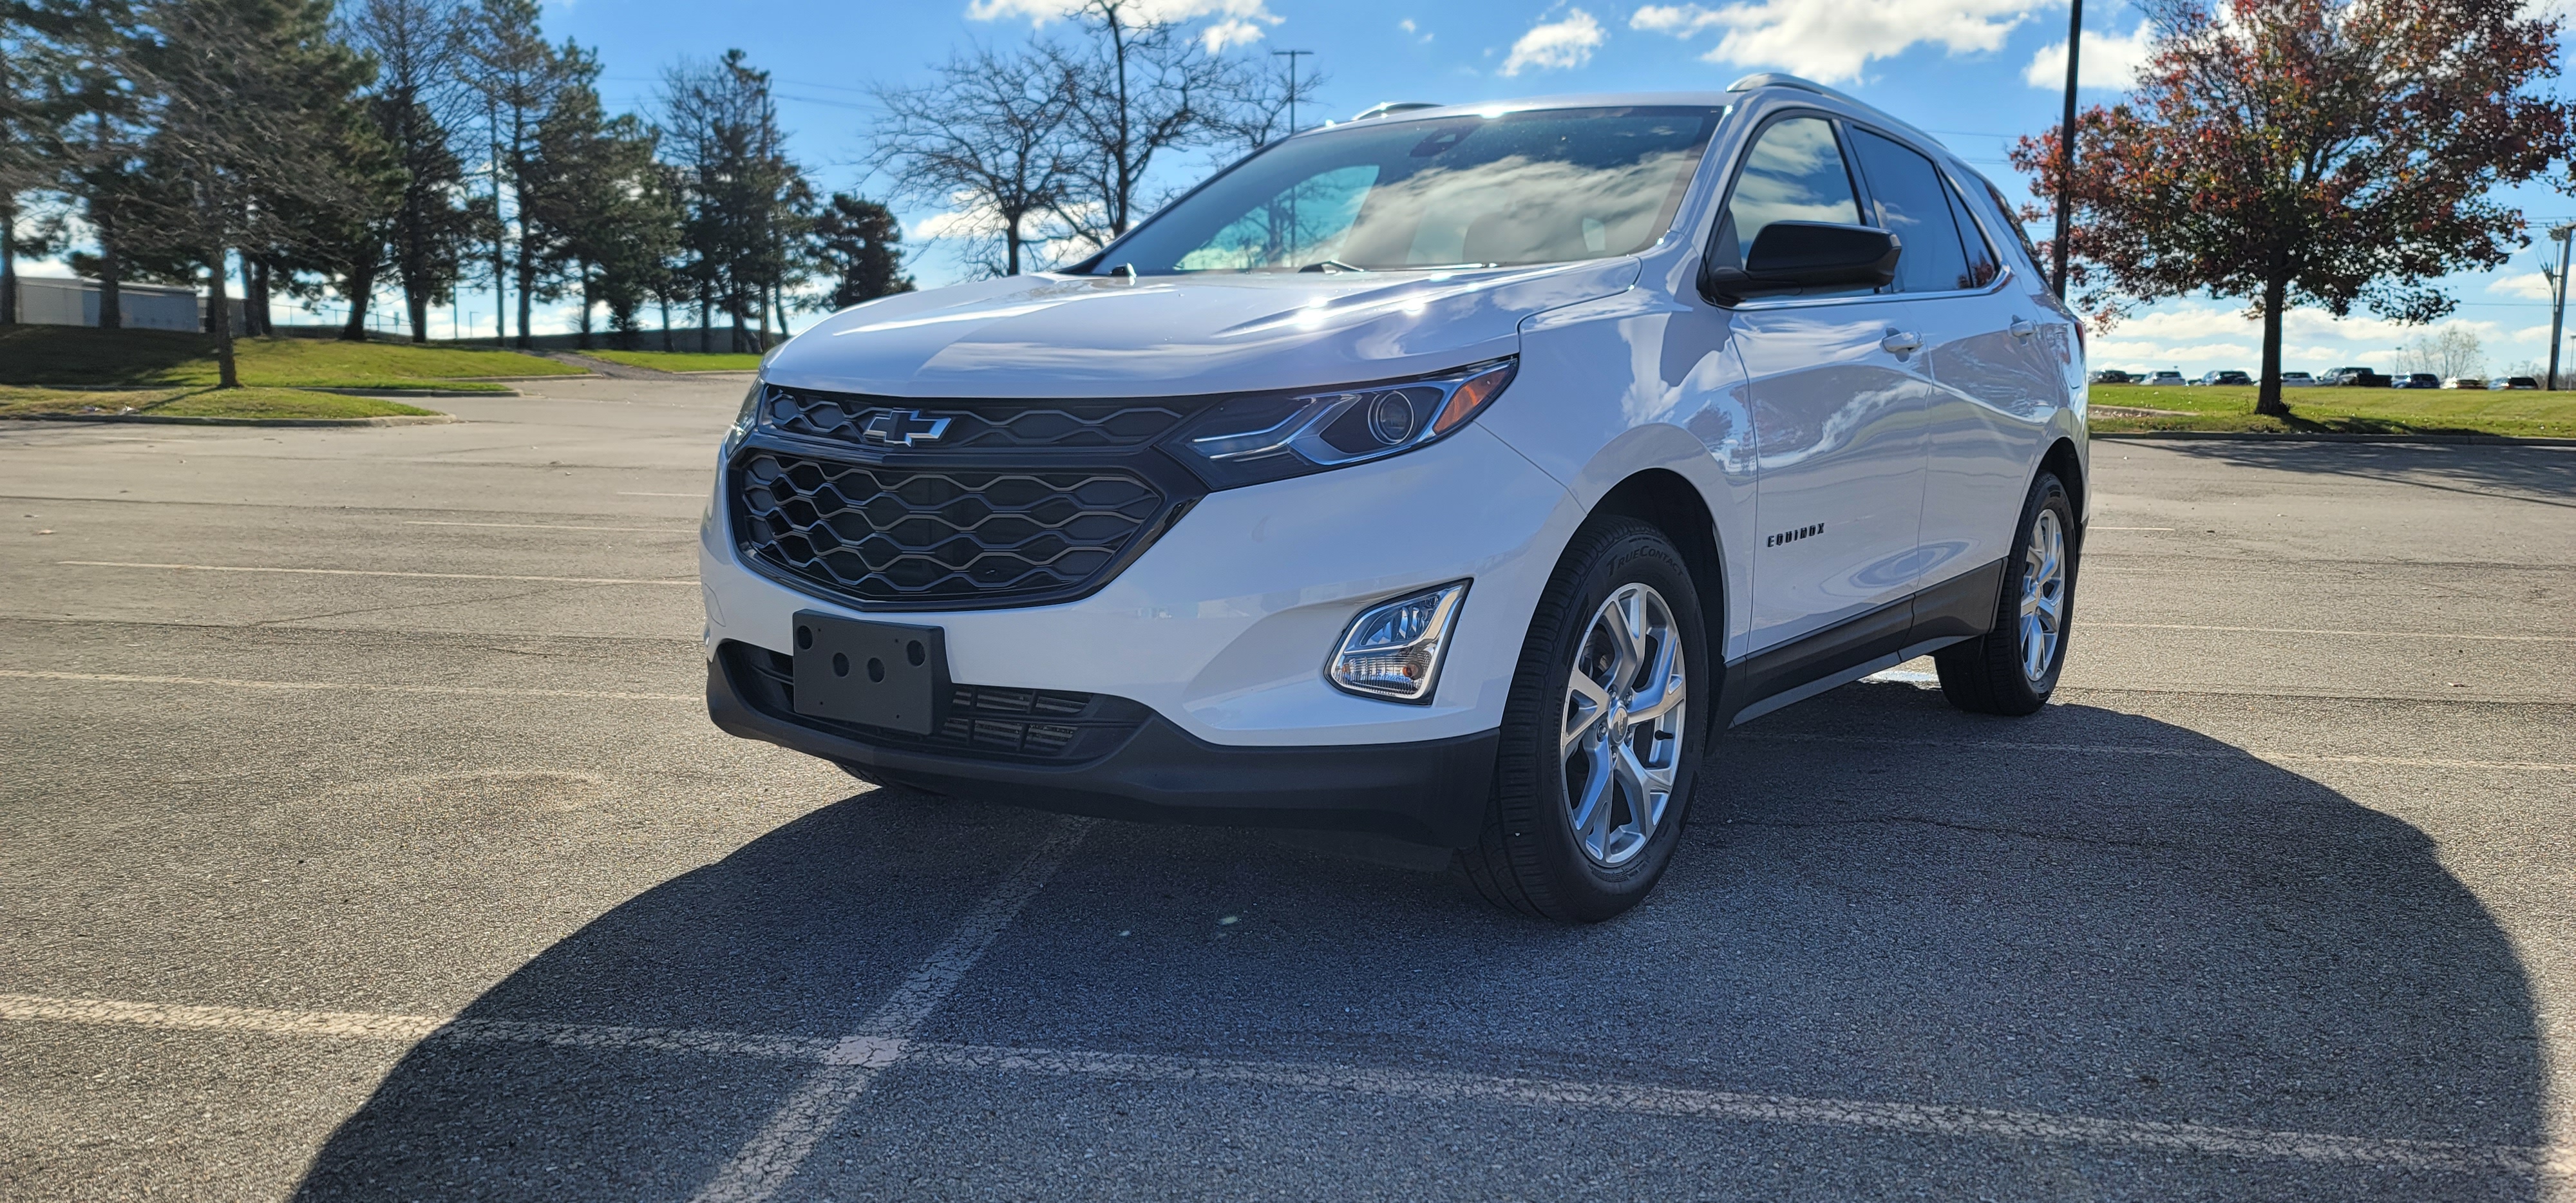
[1517,209]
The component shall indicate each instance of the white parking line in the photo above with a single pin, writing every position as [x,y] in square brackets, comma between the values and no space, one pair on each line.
[623,493]
[653,530]
[475,691]
[2160,528]
[2184,626]
[429,576]
[2419,762]
[763,1164]
[863,1058]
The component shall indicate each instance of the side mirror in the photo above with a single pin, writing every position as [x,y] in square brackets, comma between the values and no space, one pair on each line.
[1793,255]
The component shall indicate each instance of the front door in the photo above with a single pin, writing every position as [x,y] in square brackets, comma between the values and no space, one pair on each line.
[1838,401]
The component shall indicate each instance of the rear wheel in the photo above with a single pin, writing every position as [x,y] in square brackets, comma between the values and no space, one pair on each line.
[2012,668]
[1599,743]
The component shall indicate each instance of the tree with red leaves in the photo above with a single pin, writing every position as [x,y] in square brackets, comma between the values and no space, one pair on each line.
[2310,152]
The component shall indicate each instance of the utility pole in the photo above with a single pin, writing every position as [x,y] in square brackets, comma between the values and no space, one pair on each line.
[2066,151]
[1291,56]
[2558,296]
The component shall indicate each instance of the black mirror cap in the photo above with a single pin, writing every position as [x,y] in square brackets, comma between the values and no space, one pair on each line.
[1793,255]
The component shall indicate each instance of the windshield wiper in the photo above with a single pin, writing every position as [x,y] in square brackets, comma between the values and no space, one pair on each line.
[1330,265]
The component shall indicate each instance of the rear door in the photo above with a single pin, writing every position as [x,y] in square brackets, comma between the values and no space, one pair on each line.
[1989,349]
[1837,405]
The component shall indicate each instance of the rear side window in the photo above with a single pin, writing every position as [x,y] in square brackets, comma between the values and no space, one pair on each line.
[1982,264]
[1914,203]
[1795,172]
[2030,253]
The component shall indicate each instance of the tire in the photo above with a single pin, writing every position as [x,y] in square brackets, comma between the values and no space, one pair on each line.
[1531,857]
[2007,670]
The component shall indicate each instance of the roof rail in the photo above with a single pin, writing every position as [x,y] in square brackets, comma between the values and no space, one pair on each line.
[1386,107]
[1775,79]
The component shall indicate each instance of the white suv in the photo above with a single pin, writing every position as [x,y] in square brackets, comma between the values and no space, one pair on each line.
[1447,477]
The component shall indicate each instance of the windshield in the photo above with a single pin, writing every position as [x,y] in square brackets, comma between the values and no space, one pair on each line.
[1544,186]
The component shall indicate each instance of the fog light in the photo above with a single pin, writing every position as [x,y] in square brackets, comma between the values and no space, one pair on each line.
[1393,650]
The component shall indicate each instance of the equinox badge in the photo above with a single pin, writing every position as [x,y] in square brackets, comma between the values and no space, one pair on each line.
[908,427]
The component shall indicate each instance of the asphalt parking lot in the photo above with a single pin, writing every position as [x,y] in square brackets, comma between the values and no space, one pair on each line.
[362,835]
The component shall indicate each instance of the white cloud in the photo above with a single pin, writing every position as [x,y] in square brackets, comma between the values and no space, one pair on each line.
[1835,41]
[2111,61]
[1565,43]
[1237,31]
[2531,286]
[1412,30]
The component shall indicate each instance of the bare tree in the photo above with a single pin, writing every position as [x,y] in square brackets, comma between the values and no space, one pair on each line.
[2449,352]
[983,139]
[1258,109]
[1137,86]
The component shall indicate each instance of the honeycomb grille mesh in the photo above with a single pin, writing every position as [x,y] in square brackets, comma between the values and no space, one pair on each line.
[932,535]
[974,425]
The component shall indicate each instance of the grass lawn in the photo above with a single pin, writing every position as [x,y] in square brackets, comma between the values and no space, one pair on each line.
[2526,414]
[679,361]
[79,355]
[198,403]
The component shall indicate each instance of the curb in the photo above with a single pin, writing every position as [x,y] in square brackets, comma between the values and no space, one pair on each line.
[396,394]
[2501,440]
[169,420]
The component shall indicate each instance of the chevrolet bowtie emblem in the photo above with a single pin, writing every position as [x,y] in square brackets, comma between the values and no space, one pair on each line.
[907,427]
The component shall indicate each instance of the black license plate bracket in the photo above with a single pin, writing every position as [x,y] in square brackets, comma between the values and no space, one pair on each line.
[874,674]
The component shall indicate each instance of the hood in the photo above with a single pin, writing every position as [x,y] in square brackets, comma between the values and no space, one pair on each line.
[1099,336]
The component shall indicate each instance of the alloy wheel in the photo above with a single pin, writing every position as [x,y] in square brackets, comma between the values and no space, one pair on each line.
[1621,742]
[2043,595]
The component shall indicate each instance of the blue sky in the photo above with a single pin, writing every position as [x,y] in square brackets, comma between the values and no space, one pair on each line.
[1962,69]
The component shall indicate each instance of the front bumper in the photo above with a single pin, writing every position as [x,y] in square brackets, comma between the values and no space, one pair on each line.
[1222,627]
[1431,792]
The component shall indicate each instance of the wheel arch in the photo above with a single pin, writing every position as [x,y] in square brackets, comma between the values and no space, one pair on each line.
[2067,462]
[1667,501]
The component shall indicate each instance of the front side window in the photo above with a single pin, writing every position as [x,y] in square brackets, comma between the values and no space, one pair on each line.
[1795,172]
[1543,186]
[1914,204]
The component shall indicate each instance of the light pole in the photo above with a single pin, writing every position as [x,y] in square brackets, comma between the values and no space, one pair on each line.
[1291,56]
[2066,150]
[2558,295]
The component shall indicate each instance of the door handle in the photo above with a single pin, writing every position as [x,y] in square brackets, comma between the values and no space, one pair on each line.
[2021,328]
[1899,342]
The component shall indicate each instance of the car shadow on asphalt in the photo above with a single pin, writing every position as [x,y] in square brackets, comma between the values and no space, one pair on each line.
[2082,914]
[2537,475]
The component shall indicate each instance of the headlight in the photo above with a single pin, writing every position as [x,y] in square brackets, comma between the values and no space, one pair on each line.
[1393,650]
[743,419]
[1249,440]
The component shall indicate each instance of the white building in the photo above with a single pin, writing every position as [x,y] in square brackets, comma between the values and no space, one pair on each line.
[44,301]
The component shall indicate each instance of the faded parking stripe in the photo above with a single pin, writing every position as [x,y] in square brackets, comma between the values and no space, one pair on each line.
[860,1058]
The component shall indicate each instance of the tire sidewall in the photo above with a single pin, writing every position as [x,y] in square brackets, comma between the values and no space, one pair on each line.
[1588,890]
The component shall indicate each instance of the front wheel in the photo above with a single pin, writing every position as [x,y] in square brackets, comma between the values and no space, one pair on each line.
[1599,742]
[2012,668]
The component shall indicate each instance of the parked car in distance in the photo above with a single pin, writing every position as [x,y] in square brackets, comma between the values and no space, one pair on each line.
[2166,379]
[2418,380]
[1419,525]
[2512,382]
[2476,382]
[2223,378]
[2357,378]
[2113,376]
[2298,380]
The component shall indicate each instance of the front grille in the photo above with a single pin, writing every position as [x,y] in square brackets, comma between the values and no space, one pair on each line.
[928,537]
[989,722]
[974,425]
